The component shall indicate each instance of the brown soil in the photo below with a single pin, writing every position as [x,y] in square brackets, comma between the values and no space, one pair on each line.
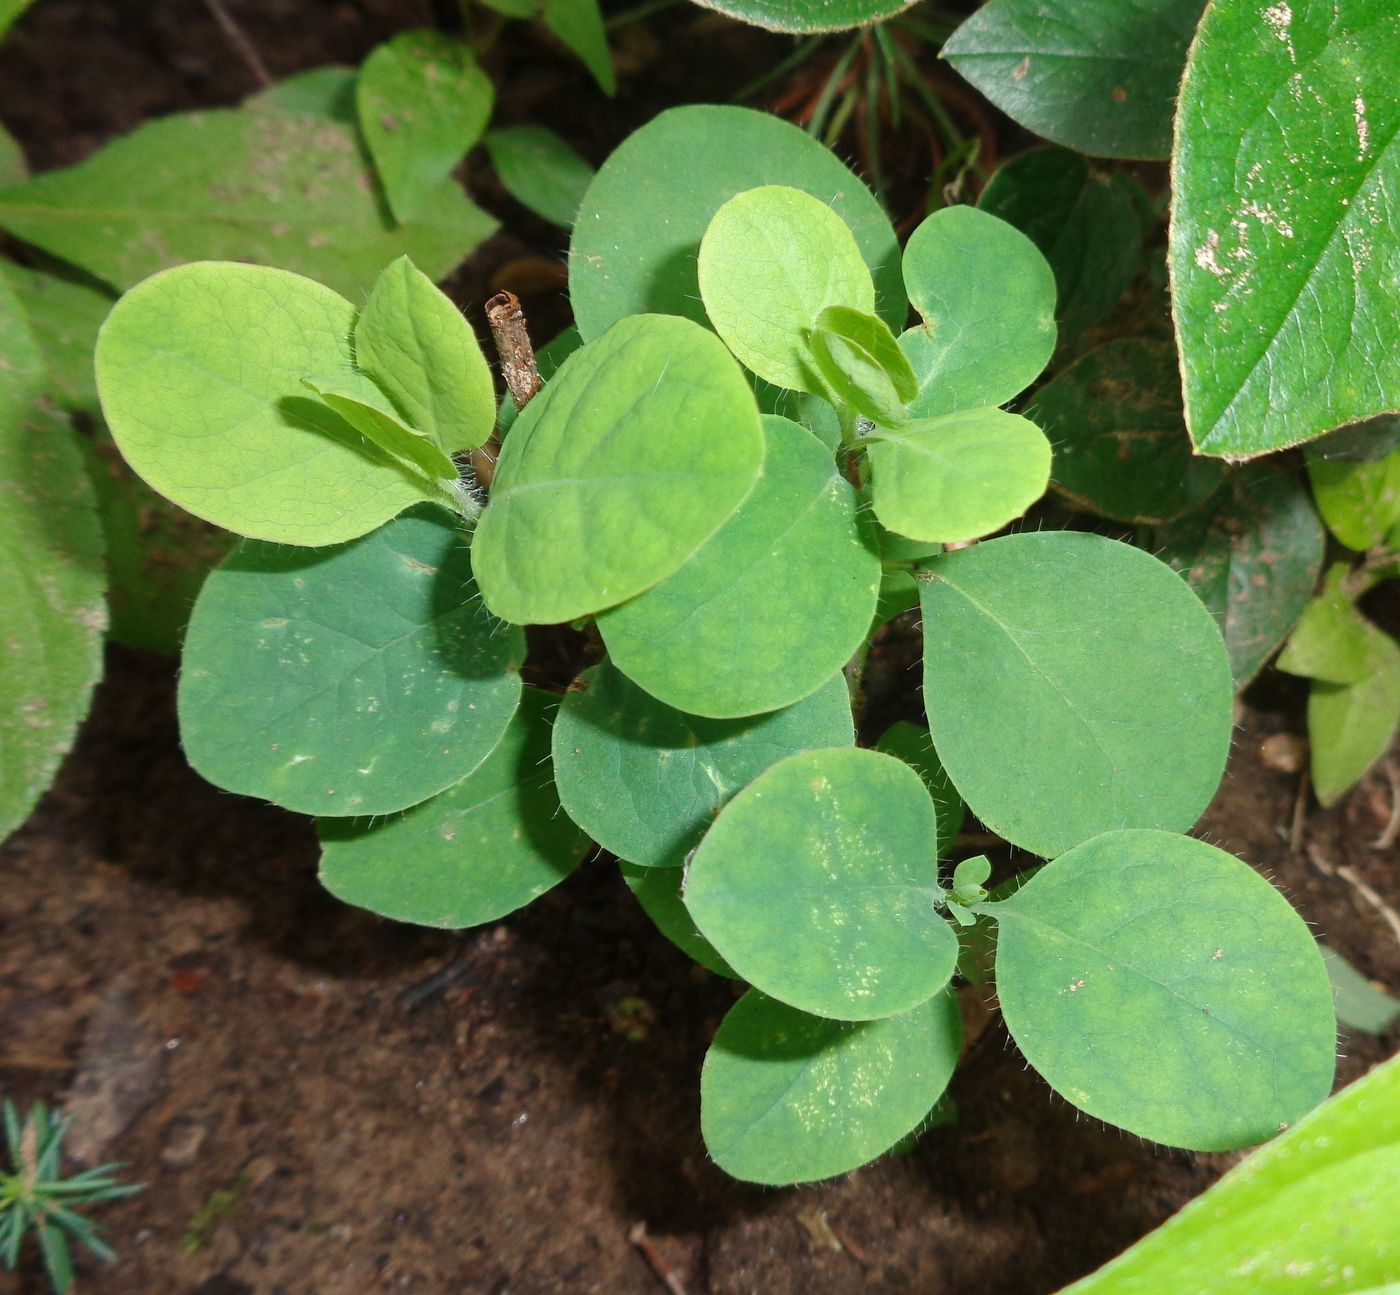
[322,1103]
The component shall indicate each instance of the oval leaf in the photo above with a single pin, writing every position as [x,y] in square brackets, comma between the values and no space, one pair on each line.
[658,891]
[913,745]
[540,171]
[1360,502]
[807,15]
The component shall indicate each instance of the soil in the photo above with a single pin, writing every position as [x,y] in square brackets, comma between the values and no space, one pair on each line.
[324,1103]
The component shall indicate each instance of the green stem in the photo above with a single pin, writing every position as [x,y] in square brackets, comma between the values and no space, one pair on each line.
[817,125]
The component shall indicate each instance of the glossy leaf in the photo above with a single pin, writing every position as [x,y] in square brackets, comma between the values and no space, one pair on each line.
[1121,448]
[486,846]
[1350,726]
[1360,502]
[1099,76]
[772,259]
[354,680]
[1162,985]
[913,745]
[658,891]
[540,171]
[1252,554]
[689,161]
[677,770]
[808,15]
[791,1098]
[200,373]
[579,25]
[638,450]
[1333,641]
[422,102]
[1082,668]
[771,606]
[859,360]
[987,297]
[958,476]
[1284,245]
[1081,219]
[838,850]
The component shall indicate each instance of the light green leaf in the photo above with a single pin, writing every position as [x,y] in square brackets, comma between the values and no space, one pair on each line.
[791,1098]
[987,297]
[859,359]
[688,162]
[51,578]
[261,185]
[1360,502]
[808,15]
[11,10]
[1073,685]
[13,168]
[958,476]
[1081,219]
[200,373]
[677,770]
[838,850]
[1097,75]
[1252,555]
[355,680]
[658,891]
[422,101]
[1162,985]
[771,261]
[1313,1210]
[415,344]
[1361,1003]
[540,171]
[319,91]
[481,849]
[579,24]
[635,453]
[913,745]
[1333,641]
[1121,449]
[1350,726]
[771,606]
[1284,240]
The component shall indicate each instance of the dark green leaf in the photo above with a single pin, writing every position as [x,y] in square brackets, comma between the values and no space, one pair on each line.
[540,171]
[808,15]
[658,891]
[913,745]
[579,24]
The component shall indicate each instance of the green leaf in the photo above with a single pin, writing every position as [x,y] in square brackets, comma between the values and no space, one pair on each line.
[791,1098]
[987,297]
[1097,75]
[65,310]
[1333,641]
[13,168]
[540,171]
[1081,219]
[579,24]
[200,373]
[514,8]
[641,447]
[913,745]
[1284,244]
[1360,502]
[808,15]
[1252,555]
[1365,442]
[658,891]
[11,10]
[772,259]
[1162,985]
[319,91]
[1121,449]
[262,185]
[688,162]
[677,770]
[422,101]
[486,846]
[1361,1004]
[1350,726]
[958,476]
[771,606]
[859,359]
[1073,685]
[355,680]
[415,344]
[51,578]
[838,850]
[1313,1210]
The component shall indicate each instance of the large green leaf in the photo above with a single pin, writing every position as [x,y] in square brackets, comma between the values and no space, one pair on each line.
[1285,244]
[200,371]
[1359,501]
[635,453]
[808,15]
[1252,554]
[1315,1210]
[422,101]
[771,606]
[1333,641]
[1164,986]
[913,745]
[355,680]
[1121,449]
[483,848]
[1073,685]
[51,577]
[65,310]
[645,781]
[987,297]
[687,162]
[256,184]
[791,1098]
[540,171]
[658,891]
[1097,75]
[837,850]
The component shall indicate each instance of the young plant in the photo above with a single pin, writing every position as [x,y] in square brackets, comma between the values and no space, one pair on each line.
[742,449]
